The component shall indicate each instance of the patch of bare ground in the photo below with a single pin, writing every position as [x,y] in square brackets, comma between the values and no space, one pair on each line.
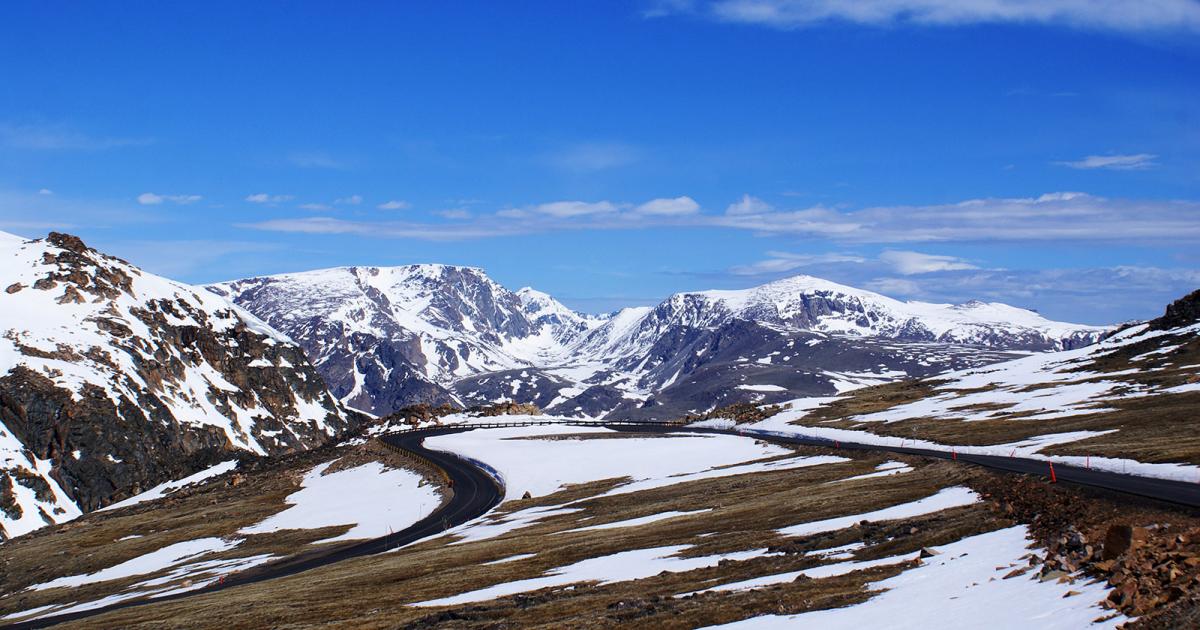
[217,508]
[873,400]
[744,513]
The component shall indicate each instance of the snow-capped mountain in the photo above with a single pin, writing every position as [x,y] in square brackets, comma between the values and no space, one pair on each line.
[385,337]
[113,380]
[813,304]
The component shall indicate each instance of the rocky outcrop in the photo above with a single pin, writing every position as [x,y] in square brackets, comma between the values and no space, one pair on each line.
[113,380]
[1182,312]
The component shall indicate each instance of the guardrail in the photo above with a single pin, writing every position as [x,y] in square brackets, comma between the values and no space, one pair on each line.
[415,458]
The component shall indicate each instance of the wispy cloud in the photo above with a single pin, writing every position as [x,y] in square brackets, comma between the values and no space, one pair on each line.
[31,213]
[594,156]
[1111,15]
[267,198]
[913,263]
[1052,217]
[153,199]
[352,200]
[785,262]
[394,204]
[58,137]
[566,209]
[1134,162]
[180,258]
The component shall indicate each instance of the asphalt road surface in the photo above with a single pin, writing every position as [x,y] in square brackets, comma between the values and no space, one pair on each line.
[476,492]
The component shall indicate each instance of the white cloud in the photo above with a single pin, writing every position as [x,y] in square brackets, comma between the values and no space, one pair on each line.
[1053,217]
[893,287]
[748,205]
[456,213]
[1114,15]
[316,206]
[352,200]
[596,156]
[265,198]
[913,263]
[394,204]
[45,191]
[574,208]
[783,262]
[1135,162]
[151,199]
[669,207]
[1050,217]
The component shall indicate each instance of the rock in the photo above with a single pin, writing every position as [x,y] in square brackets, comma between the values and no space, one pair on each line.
[1016,573]
[926,552]
[526,495]
[1123,595]
[14,287]
[1122,538]
[1070,594]
[1054,575]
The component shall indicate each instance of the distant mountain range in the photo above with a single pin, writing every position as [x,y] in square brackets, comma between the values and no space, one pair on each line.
[113,380]
[385,337]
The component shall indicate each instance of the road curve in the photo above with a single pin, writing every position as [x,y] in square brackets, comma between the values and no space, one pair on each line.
[475,493]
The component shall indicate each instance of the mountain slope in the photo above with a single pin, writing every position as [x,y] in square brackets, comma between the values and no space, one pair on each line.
[113,380]
[1132,398]
[388,337]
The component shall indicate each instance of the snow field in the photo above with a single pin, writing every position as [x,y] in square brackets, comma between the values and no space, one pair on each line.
[961,587]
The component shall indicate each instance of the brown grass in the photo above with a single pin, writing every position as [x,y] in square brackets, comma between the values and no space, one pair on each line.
[372,592]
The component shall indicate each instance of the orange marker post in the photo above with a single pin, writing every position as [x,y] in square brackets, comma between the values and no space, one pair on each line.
[1053,477]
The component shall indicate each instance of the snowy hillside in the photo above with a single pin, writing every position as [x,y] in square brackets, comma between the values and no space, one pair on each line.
[113,380]
[1127,403]
[386,337]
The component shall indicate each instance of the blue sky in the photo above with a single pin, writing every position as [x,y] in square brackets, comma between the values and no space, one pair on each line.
[1045,154]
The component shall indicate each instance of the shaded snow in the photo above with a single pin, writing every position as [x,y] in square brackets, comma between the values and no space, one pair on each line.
[168,487]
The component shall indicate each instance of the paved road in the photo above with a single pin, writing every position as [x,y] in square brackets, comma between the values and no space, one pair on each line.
[1176,492]
[475,493]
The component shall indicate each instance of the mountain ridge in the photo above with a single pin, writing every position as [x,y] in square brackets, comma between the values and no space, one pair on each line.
[385,337]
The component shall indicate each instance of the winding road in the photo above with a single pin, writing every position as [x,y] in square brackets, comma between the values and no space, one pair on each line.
[476,492]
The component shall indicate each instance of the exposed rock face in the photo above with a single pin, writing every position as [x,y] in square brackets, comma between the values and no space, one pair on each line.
[389,337]
[1182,312]
[385,338]
[113,380]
